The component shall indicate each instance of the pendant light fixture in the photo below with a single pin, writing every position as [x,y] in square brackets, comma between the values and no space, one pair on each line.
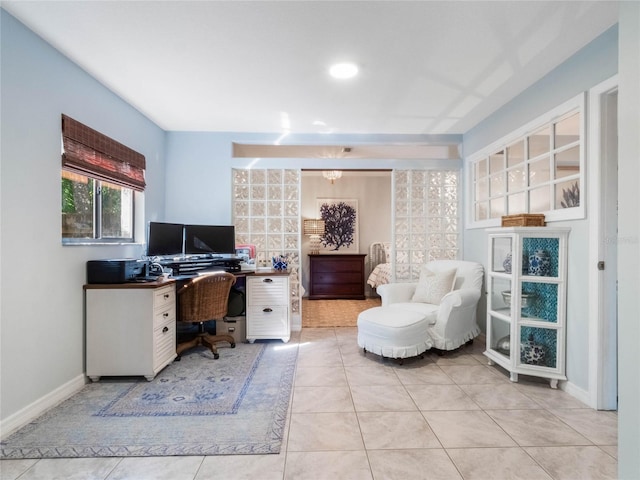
[332,175]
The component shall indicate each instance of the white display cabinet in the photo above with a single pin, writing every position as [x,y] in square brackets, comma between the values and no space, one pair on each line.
[526,301]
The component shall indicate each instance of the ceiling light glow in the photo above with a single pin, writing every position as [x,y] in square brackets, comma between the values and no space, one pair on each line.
[343,70]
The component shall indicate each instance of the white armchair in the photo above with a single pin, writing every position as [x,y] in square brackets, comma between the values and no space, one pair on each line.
[452,323]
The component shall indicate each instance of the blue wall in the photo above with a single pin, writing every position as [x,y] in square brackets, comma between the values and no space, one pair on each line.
[42,319]
[593,64]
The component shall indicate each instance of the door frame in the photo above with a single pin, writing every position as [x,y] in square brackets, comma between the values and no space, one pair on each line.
[602,205]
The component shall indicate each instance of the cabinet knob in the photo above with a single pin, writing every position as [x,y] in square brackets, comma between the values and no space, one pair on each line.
[267,310]
[165,329]
[165,314]
[267,280]
[166,295]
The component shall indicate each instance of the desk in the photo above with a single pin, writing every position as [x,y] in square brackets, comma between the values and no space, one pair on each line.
[130,328]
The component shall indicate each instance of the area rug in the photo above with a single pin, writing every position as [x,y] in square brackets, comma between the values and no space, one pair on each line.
[198,406]
[334,313]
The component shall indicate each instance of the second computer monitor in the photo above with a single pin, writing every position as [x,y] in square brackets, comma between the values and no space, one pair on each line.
[209,239]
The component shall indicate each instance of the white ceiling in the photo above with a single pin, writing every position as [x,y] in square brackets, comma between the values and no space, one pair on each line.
[261,66]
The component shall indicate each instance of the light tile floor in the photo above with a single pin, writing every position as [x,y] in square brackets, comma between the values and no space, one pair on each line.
[355,416]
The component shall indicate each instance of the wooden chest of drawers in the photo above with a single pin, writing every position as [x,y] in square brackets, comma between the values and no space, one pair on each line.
[336,276]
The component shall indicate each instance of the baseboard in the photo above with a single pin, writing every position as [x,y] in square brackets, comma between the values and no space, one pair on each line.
[37,408]
[576,392]
[566,386]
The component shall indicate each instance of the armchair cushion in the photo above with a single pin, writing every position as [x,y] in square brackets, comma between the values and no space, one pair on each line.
[433,286]
[428,310]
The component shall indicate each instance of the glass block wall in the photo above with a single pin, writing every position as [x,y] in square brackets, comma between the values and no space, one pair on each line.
[426,219]
[266,213]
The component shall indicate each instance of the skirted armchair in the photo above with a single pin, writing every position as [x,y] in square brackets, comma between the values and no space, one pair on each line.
[447,294]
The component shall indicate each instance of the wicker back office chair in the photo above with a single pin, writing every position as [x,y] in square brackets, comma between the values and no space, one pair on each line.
[205,298]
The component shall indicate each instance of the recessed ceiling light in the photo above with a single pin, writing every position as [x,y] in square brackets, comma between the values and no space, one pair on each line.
[343,70]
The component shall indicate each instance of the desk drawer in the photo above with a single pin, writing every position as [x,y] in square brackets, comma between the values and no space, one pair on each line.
[267,321]
[164,343]
[163,316]
[268,291]
[164,296]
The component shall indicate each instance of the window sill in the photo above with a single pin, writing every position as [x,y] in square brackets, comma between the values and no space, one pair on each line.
[85,243]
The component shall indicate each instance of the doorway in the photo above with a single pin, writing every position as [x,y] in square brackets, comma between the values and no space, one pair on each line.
[603,124]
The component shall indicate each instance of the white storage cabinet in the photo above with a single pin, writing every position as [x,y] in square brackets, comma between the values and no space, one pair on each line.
[130,329]
[268,307]
[526,330]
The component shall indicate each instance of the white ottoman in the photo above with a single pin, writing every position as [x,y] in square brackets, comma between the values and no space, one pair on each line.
[393,333]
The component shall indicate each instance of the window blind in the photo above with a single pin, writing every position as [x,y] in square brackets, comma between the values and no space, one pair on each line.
[90,153]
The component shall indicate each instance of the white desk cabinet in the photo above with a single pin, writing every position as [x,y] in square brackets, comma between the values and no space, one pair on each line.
[130,329]
[268,307]
[526,303]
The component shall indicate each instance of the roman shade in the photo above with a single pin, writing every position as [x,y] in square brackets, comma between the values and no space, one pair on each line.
[90,153]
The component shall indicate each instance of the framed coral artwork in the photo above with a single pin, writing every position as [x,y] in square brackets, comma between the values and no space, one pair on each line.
[340,217]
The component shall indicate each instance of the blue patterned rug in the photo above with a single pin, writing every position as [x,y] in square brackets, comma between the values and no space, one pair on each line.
[199,406]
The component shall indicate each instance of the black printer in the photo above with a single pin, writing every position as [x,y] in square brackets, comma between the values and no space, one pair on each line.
[117,270]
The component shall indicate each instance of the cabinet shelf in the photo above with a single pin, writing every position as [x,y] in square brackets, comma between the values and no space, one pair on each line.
[526,304]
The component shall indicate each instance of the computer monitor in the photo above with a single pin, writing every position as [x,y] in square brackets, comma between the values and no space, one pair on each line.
[209,239]
[165,239]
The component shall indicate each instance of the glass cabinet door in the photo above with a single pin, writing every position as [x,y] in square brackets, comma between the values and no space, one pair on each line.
[500,296]
[541,256]
[501,252]
[538,322]
[499,336]
[538,346]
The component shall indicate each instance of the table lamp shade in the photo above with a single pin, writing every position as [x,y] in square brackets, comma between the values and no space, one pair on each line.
[313,226]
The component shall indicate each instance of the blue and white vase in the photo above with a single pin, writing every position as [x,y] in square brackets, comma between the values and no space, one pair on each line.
[279,263]
[507,263]
[540,263]
[533,353]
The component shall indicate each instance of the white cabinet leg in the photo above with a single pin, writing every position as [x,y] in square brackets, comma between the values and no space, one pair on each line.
[513,377]
[554,383]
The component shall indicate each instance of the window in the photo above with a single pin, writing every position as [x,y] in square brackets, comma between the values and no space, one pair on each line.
[99,177]
[95,210]
[537,169]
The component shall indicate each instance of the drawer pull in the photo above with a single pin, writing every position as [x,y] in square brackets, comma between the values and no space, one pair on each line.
[267,310]
[165,329]
[267,280]
[166,295]
[165,314]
